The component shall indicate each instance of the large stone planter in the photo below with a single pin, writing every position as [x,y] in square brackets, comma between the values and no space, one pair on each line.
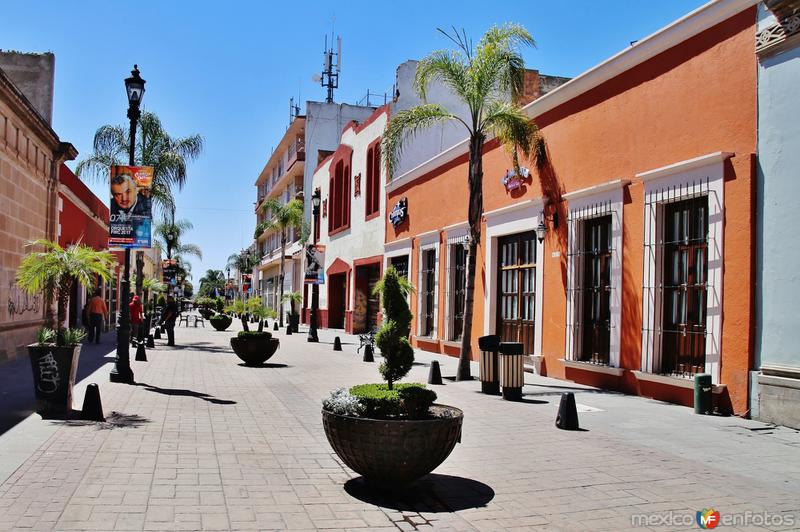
[255,350]
[221,322]
[54,370]
[394,452]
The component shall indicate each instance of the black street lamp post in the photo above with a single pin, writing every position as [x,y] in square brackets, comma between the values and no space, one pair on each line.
[312,325]
[122,371]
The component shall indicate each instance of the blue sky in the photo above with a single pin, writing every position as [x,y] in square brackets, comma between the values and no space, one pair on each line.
[227,70]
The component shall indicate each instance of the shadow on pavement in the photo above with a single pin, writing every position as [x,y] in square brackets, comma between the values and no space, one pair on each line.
[201,346]
[431,494]
[185,393]
[264,365]
[17,399]
[115,420]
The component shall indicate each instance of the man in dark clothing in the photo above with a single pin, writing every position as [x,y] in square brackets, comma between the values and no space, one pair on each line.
[170,315]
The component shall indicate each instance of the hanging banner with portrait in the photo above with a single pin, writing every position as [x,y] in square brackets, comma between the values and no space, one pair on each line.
[131,207]
[315,261]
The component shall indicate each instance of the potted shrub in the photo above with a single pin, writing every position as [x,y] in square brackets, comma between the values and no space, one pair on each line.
[295,299]
[54,358]
[254,347]
[204,306]
[408,434]
[220,321]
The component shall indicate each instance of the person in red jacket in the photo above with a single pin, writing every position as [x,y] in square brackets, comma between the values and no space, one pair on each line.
[137,318]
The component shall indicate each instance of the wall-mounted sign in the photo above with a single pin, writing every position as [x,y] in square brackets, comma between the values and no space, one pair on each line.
[315,260]
[325,208]
[357,185]
[131,213]
[399,212]
[513,180]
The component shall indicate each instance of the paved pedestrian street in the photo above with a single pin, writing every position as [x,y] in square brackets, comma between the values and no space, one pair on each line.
[204,443]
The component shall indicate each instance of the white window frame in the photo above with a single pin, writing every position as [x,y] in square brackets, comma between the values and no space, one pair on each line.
[456,234]
[610,194]
[517,218]
[428,241]
[707,169]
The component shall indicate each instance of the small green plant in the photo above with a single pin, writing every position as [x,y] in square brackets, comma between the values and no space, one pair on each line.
[45,336]
[73,337]
[408,400]
[294,298]
[392,339]
[240,309]
[254,334]
[219,304]
[261,314]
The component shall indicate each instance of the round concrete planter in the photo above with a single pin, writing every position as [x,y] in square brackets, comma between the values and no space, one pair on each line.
[254,350]
[221,322]
[394,452]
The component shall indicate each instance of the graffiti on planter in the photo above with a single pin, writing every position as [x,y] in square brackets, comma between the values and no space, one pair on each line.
[48,374]
[20,302]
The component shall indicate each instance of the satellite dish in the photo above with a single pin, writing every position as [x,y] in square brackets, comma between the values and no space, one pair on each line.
[316,78]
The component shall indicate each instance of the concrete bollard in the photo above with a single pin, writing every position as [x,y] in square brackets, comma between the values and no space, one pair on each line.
[157,334]
[435,373]
[288,330]
[150,342]
[141,354]
[275,326]
[567,418]
[92,406]
[337,344]
[368,354]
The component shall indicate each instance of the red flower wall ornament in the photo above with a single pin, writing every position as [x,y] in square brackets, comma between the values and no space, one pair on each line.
[325,208]
[357,186]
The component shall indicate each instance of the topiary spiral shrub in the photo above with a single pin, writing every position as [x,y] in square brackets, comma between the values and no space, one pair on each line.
[392,339]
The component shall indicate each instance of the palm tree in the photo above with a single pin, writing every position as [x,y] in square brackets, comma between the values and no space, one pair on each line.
[167,155]
[242,262]
[482,77]
[168,237]
[212,283]
[282,217]
[55,269]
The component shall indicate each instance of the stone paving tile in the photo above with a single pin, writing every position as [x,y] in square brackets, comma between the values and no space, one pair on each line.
[207,444]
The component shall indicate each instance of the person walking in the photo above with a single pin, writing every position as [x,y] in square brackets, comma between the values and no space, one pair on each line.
[97,311]
[169,317]
[137,318]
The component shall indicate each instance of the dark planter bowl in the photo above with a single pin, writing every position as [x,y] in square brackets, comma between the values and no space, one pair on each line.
[206,313]
[255,350]
[221,322]
[394,452]
[54,370]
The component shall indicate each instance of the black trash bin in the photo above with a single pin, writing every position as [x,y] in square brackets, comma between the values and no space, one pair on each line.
[703,400]
[489,374]
[512,370]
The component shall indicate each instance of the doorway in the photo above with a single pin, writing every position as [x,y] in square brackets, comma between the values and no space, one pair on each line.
[337,300]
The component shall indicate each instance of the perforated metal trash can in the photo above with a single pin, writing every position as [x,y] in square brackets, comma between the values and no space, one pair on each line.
[512,371]
[489,374]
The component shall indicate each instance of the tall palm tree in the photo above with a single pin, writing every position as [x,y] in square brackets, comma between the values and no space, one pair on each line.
[169,235]
[55,269]
[282,217]
[242,262]
[483,77]
[212,283]
[169,157]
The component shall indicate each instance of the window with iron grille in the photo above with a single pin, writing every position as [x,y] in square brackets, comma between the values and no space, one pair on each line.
[455,295]
[677,245]
[590,283]
[428,291]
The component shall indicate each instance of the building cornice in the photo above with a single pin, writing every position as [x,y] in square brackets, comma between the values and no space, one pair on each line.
[29,115]
[685,166]
[596,189]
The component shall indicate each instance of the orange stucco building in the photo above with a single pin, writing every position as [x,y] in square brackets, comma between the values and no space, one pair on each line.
[644,277]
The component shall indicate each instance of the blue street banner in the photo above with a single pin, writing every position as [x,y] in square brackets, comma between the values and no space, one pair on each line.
[131,207]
